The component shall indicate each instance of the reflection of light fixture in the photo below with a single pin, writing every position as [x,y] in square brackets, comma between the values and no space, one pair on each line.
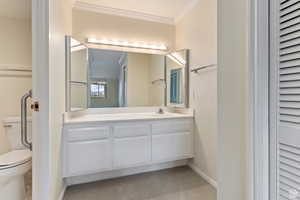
[177,58]
[127,44]
[74,43]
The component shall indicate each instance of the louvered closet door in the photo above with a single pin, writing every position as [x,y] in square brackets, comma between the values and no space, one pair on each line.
[285,93]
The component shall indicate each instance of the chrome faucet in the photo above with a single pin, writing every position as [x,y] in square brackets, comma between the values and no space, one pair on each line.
[160,111]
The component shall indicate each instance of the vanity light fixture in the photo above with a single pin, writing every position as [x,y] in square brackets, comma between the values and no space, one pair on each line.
[127,44]
[177,58]
[78,48]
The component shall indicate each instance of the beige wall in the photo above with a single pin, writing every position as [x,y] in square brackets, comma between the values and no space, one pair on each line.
[90,24]
[79,64]
[15,50]
[156,72]
[78,96]
[233,91]
[197,31]
[138,80]
[15,38]
[79,73]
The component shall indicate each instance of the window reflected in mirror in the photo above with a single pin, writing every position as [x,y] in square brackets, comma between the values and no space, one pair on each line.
[99,89]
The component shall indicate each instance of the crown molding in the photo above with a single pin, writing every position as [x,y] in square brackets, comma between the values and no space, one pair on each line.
[186,10]
[123,13]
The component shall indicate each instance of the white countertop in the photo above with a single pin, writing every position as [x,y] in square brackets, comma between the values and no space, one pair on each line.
[125,117]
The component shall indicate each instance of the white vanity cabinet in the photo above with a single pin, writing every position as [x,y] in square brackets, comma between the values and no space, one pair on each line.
[131,145]
[172,141]
[105,146]
[87,150]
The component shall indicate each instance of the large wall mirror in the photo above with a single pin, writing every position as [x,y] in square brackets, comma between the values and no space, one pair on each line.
[103,78]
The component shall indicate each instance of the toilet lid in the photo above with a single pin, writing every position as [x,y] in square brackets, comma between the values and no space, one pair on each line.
[15,158]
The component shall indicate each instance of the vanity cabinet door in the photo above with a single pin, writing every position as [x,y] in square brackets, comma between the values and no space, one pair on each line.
[88,157]
[87,150]
[172,140]
[169,147]
[129,152]
[132,145]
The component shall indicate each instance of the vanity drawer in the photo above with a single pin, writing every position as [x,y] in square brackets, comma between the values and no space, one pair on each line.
[172,126]
[89,133]
[131,130]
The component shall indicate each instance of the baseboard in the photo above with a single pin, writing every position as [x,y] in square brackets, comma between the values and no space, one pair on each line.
[124,172]
[210,180]
[62,194]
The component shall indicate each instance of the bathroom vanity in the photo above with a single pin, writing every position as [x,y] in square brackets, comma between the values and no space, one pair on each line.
[127,112]
[94,143]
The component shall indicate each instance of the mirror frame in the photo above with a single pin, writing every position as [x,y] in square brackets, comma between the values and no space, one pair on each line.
[186,82]
[68,74]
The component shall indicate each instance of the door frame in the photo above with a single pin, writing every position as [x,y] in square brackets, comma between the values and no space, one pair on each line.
[40,87]
[257,165]
[257,141]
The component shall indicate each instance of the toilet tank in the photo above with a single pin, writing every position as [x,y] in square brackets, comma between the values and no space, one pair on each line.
[12,127]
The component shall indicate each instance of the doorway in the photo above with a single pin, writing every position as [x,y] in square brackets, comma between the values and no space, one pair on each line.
[15,81]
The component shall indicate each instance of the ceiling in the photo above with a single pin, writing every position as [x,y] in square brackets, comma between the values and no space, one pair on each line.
[170,9]
[19,9]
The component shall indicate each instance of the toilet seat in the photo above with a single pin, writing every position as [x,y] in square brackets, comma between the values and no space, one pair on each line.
[14,159]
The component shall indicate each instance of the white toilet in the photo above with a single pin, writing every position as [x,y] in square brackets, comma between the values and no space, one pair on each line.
[14,164]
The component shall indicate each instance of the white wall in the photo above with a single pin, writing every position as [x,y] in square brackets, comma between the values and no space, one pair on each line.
[15,51]
[197,31]
[90,24]
[233,91]
[60,13]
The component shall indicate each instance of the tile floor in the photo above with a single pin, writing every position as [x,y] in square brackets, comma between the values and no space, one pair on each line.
[172,184]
